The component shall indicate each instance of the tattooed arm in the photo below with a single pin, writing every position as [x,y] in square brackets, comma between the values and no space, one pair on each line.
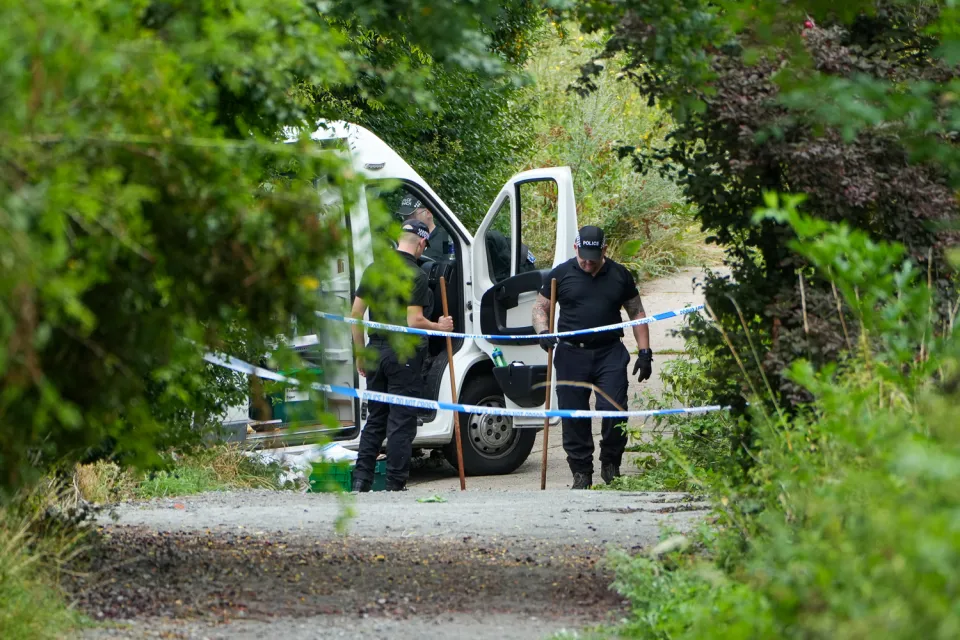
[641,332]
[541,314]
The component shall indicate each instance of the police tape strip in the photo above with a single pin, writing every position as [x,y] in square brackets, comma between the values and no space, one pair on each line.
[235,364]
[479,336]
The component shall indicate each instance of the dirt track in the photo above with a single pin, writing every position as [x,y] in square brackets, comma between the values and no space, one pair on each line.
[222,577]
[475,568]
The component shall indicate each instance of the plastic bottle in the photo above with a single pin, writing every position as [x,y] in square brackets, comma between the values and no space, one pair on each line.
[451,251]
[498,359]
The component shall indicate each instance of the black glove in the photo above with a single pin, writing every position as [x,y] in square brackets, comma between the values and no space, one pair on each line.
[644,365]
[547,343]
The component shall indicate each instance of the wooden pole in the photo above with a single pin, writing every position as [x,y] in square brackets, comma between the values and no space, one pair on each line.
[546,421]
[453,390]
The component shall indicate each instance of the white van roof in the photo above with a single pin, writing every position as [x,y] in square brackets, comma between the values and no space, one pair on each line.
[372,157]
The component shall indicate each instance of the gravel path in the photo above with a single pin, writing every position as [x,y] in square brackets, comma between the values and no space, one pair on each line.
[595,517]
[453,626]
[482,564]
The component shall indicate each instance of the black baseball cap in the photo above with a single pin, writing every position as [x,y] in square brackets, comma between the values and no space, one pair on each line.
[408,205]
[417,227]
[590,242]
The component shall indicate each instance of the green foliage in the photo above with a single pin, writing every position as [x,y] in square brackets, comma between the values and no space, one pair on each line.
[681,597]
[474,133]
[462,130]
[147,213]
[844,524]
[187,472]
[840,520]
[209,469]
[649,227]
[851,106]
[682,449]
[31,604]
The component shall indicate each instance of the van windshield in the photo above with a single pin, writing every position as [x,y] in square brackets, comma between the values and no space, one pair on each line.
[402,203]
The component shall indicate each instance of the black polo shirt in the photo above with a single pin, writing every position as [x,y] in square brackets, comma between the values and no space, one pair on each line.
[439,244]
[588,301]
[380,311]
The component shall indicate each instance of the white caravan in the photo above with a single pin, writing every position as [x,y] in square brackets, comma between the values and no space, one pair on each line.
[492,281]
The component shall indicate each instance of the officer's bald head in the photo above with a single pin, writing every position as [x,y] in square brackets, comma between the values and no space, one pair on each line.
[409,239]
[414,237]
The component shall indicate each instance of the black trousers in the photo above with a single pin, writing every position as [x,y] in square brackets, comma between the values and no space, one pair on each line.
[605,367]
[398,424]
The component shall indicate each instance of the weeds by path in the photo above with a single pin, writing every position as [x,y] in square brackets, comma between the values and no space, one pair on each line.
[217,468]
[34,546]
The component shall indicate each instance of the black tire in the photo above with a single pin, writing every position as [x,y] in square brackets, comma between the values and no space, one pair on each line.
[491,446]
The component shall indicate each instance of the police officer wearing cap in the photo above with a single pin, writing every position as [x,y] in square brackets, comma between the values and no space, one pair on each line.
[411,208]
[391,373]
[591,289]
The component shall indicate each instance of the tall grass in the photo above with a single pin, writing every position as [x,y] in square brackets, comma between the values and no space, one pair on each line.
[32,552]
[586,134]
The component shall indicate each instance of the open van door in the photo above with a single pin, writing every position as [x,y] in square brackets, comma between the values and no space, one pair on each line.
[530,229]
[293,416]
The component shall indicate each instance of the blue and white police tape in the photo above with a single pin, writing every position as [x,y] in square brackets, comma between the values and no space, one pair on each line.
[479,336]
[240,366]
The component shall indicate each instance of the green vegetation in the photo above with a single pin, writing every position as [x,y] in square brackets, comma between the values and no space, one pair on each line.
[31,551]
[149,213]
[464,131]
[475,133]
[850,105]
[834,490]
[650,227]
[215,468]
[677,448]
[843,526]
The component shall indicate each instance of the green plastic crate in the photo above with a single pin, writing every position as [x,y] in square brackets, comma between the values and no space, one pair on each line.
[297,411]
[328,477]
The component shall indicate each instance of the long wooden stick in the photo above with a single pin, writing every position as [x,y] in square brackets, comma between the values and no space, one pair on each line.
[546,421]
[453,390]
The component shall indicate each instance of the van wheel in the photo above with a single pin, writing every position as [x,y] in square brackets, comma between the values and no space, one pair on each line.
[491,446]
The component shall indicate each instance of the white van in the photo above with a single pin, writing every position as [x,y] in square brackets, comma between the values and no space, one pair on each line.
[492,281]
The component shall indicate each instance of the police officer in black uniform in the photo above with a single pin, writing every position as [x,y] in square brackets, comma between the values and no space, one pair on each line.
[411,208]
[498,248]
[591,289]
[391,374]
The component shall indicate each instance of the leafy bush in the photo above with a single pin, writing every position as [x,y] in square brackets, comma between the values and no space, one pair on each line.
[148,214]
[843,532]
[843,336]
[844,525]
[846,104]
[681,448]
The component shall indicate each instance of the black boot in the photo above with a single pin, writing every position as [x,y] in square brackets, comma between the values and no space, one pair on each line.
[392,486]
[582,480]
[609,471]
[361,486]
